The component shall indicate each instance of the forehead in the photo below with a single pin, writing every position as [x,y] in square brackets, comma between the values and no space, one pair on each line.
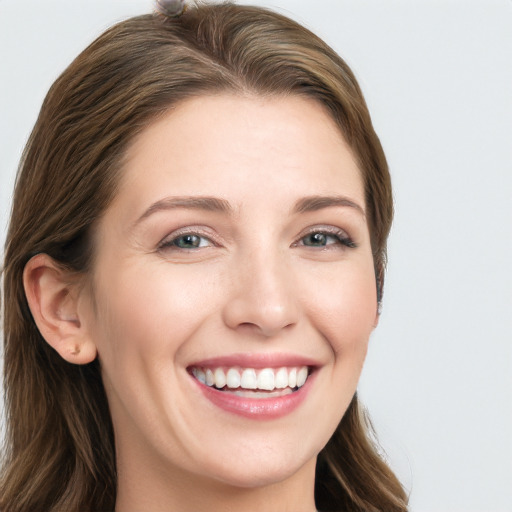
[241,147]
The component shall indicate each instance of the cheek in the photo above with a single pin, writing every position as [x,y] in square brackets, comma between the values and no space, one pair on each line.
[145,314]
[344,308]
[148,310]
[343,311]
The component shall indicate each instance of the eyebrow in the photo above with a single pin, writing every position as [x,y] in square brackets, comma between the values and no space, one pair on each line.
[314,203]
[210,204]
[214,204]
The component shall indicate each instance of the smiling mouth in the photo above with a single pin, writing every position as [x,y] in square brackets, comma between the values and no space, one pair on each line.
[251,382]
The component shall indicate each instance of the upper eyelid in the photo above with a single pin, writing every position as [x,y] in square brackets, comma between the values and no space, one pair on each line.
[205,232]
[331,230]
[342,235]
[189,230]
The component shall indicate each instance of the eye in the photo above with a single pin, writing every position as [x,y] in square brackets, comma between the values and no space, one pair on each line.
[186,241]
[324,238]
[318,240]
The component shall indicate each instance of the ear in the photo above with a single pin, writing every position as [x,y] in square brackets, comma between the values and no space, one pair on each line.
[54,300]
[377,316]
[379,283]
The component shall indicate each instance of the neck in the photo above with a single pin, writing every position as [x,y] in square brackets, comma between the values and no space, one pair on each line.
[162,491]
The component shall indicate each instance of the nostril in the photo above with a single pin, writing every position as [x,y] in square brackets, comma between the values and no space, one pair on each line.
[253,329]
[263,301]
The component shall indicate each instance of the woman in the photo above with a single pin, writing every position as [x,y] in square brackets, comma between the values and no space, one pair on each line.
[193,268]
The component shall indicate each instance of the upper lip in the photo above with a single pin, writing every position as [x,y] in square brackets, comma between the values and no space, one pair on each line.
[256,360]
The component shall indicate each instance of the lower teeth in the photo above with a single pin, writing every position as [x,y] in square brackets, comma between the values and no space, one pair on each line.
[247,393]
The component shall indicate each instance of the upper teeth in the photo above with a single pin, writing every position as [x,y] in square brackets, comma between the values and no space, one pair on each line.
[266,379]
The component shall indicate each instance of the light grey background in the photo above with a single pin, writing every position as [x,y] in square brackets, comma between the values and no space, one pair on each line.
[438,79]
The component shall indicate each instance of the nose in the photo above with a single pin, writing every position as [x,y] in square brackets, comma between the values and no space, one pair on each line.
[263,298]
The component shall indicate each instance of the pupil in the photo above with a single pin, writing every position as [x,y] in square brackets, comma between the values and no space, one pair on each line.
[187,241]
[317,239]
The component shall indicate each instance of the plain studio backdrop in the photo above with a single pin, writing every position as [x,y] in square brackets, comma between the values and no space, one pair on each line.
[437,76]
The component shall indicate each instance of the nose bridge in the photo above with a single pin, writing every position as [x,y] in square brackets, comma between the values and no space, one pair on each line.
[263,297]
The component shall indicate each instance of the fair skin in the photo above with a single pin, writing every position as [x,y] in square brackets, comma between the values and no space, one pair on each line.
[216,253]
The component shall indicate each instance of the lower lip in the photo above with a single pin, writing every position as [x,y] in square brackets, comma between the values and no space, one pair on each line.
[257,408]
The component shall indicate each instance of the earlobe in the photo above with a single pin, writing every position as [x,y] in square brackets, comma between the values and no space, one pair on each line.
[377,315]
[54,303]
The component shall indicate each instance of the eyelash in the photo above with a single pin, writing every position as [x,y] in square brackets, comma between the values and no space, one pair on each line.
[341,238]
[172,243]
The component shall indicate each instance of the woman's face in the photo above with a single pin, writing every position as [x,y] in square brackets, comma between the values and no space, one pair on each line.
[236,253]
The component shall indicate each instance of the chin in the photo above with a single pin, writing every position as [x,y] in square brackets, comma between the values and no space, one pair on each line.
[257,477]
[265,467]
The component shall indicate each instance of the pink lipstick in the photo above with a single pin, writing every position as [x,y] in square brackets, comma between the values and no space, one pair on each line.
[258,386]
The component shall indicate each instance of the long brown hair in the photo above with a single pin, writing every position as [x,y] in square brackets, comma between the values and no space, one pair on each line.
[60,442]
